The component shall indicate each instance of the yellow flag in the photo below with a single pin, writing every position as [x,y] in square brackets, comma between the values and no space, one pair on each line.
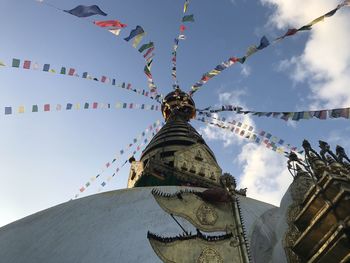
[186,5]
[77,106]
[52,71]
[137,40]
[118,105]
[2,64]
[320,19]
[21,109]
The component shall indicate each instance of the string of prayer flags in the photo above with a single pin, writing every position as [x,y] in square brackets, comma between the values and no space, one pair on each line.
[105,182]
[293,31]
[248,128]
[181,36]
[27,64]
[295,116]
[241,129]
[10,110]
[86,11]
[264,42]
[139,138]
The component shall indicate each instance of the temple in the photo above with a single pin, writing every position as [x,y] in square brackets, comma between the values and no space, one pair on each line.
[180,207]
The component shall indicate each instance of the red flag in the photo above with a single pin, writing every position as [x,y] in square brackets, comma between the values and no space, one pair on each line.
[182,28]
[103,79]
[128,86]
[110,23]
[47,107]
[82,189]
[26,64]
[94,105]
[148,52]
[71,71]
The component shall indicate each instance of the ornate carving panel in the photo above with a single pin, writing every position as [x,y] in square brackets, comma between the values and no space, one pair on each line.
[198,161]
[196,250]
[203,215]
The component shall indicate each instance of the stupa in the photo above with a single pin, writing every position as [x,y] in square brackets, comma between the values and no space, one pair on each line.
[180,207]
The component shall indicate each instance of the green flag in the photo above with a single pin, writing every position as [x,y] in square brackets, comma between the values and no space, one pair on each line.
[188,18]
[146,46]
[15,63]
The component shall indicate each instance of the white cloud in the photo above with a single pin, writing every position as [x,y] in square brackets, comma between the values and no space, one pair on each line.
[264,172]
[325,62]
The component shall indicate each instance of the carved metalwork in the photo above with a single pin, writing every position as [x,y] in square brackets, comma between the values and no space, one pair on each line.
[206,214]
[321,200]
[210,255]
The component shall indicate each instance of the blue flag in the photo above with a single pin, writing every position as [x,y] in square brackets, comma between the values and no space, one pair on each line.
[264,42]
[85,11]
[137,31]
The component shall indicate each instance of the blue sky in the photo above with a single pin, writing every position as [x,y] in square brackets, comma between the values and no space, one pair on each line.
[46,157]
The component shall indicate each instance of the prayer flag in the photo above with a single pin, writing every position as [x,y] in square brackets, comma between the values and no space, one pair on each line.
[146,46]
[46,67]
[94,105]
[15,63]
[114,31]
[69,106]
[63,70]
[188,18]
[2,64]
[86,105]
[58,107]
[148,52]
[137,31]
[47,107]
[85,74]
[82,189]
[71,71]
[110,23]
[137,40]
[8,110]
[186,5]
[113,82]
[35,108]
[103,79]
[251,50]
[52,71]
[86,11]
[125,105]
[182,28]
[26,64]
[264,42]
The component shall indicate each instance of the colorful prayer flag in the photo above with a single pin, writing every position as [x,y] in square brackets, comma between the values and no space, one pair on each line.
[46,67]
[15,63]
[8,110]
[146,46]
[188,18]
[86,11]
[137,40]
[137,31]
[35,108]
[21,109]
[110,23]
[115,31]
[47,107]
[26,64]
